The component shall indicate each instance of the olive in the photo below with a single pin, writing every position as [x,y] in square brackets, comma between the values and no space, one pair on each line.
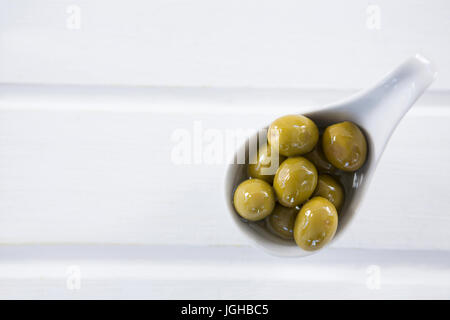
[260,167]
[317,157]
[295,181]
[316,224]
[294,135]
[345,146]
[281,221]
[330,189]
[254,199]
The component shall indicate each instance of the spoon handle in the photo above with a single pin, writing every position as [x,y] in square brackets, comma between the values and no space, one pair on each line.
[379,109]
[382,107]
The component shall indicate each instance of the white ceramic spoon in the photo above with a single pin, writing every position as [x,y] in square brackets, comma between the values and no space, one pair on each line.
[377,111]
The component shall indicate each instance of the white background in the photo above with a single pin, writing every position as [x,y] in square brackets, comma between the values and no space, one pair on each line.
[86,115]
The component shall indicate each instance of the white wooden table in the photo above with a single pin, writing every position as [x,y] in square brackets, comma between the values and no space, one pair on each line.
[91,205]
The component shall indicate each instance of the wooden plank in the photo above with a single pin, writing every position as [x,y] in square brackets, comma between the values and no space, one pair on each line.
[69,175]
[180,272]
[286,43]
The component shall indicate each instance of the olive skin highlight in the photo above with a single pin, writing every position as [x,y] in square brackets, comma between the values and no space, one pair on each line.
[294,135]
[281,221]
[345,146]
[254,199]
[317,157]
[316,224]
[260,167]
[330,189]
[295,181]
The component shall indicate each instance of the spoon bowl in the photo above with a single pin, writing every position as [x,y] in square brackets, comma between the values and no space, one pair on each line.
[377,111]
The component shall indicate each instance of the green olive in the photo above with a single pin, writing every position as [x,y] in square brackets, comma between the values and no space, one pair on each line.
[294,135]
[330,189]
[260,166]
[316,224]
[281,221]
[295,181]
[345,146]
[254,199]
[317,157]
